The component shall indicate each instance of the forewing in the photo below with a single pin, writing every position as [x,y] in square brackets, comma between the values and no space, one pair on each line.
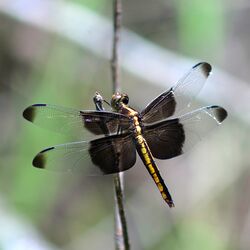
[106,155]
[178,97]
[170,138]
[75,122]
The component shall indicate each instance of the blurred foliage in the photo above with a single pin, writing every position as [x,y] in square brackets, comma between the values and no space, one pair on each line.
[200,26]
[65,207]
[96,5]
[193,235]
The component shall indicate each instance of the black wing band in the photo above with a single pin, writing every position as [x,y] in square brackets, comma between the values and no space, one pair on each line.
[178,97]
[109,155]
[75,122]
[170,138]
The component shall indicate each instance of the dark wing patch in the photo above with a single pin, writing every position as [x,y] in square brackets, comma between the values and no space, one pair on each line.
[75,122]
[165,141]
[162,107]
[103,122]
[30,112]
[205,67]
[107,155]
[170,138]
[118,154]
[40,160]
[219,113]
[178,97]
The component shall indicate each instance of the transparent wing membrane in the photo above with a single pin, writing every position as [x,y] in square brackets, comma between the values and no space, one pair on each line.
[107,155]
[170,138]
[75,122]
[179,97]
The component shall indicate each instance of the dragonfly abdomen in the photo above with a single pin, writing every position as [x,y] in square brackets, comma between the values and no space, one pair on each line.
[147,158]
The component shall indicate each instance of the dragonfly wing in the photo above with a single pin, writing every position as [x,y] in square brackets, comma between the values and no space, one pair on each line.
[170,138]
[178,97]
[107,155]
[75,122]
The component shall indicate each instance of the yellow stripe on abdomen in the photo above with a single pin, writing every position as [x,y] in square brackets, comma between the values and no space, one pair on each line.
[148,161]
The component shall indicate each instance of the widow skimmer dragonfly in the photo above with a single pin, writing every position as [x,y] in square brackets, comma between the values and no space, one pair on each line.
[162,130]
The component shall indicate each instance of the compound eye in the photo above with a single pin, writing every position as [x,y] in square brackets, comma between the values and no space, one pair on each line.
[125,99]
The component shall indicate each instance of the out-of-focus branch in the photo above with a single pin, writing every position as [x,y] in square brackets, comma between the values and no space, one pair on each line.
[121,232]
[117,19]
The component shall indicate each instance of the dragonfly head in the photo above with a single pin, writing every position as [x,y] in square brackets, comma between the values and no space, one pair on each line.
[118,100]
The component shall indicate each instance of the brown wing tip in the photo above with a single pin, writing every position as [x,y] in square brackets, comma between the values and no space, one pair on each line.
[40,159]
[206,68]
[220,113]
[30,112]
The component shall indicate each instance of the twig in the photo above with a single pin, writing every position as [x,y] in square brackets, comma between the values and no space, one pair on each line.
[121,232]
[117,15]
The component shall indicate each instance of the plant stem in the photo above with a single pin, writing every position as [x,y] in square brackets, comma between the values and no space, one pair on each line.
[121,232]
[117,19]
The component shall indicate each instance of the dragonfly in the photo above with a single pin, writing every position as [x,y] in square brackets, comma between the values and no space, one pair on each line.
[162,130]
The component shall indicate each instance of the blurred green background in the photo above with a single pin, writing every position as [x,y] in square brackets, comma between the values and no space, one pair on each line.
[44,60]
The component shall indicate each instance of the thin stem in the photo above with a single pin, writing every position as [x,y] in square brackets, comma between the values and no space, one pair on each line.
[117,20]
[121,232]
